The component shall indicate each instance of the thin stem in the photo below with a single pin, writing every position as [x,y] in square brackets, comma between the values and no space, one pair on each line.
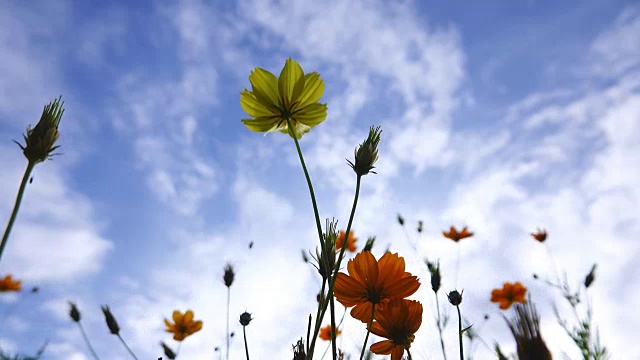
[309,184]
[444,353]
[364,345]
[457,265]
[409,354]
[16,206]
[333,325]
[228,302]
[246,347]
[127,346]
[333,278]
[86,340]
[460,332]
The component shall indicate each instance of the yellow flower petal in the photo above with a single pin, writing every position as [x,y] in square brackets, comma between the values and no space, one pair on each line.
[313,89]
[265,87]
[263,124]
[312,115]
[252,106]
[291,73]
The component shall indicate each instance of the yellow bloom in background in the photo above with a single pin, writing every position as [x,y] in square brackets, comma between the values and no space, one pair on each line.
[8,284]
[183,325]
[292,96]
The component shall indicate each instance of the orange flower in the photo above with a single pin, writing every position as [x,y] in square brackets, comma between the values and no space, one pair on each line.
[8,284]
[325,333]
[372,282]
[351,241]
[398,321]
[509,294]
[456,236]
[540,235]
[183,325]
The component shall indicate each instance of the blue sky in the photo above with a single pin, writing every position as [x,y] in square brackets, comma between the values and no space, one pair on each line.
[503,116]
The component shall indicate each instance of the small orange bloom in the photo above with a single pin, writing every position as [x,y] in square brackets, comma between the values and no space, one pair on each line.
[540,235]
[351,241]
[509,294]
[397,321]
[325,333]
[8,284]
[456,236]
[183,325]
[373,283]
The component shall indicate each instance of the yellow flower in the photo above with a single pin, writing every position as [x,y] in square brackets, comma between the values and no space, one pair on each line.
[8,284]
[183,325]
[292,96]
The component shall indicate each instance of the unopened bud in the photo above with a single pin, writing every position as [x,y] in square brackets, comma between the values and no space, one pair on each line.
[112,324]
[366,154]
[245,318]
[229,275]
[74,312]
[455,297]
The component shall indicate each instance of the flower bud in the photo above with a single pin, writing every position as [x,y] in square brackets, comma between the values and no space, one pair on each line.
[112,324]
[369,245]
[455,297]
[400,220]
[74,312]
[229,275]
[245,318]
[366,154]
[40,141]
[167,351]
[298,351]
[590,277]
[436,278]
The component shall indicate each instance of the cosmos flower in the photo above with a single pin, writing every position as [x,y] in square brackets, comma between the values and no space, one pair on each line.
[396,321]
[373,282]
[540,235]
[8,284]
[183,325]
[351,241]
[509,294]
[294,96]
[456,236]
[325,333]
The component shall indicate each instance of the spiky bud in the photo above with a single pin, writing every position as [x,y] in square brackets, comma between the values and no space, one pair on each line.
[366,154]
[436,278]
[40,141]
[590,277]
[74,313]
[112,324]
[229,275]
[369,245]
[168,352]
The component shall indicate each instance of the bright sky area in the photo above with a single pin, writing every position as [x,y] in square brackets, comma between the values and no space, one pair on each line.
[500,115]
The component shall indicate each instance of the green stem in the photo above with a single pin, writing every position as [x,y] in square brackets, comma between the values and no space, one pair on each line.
[86,340]
[366,338]
[246,347]
[333,324]
[444,354]
[228,302]
[333,278]
[309,184]
[127,347]
[460,332]
[16,206]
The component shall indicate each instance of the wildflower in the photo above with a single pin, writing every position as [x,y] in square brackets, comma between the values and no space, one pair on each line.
[183,325]
[540,235]
[588,280]
[325,333]
[8,284]
[351,241]
[509,294]
[245,318]
[366,154]
[293,96]
[436,278]
[456,236]
[372,283]
[455,297]
[525,328]
[229,275]
[397,321]
[369,245]
[74,313]
[40,141]
[168,352]
[112,324]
